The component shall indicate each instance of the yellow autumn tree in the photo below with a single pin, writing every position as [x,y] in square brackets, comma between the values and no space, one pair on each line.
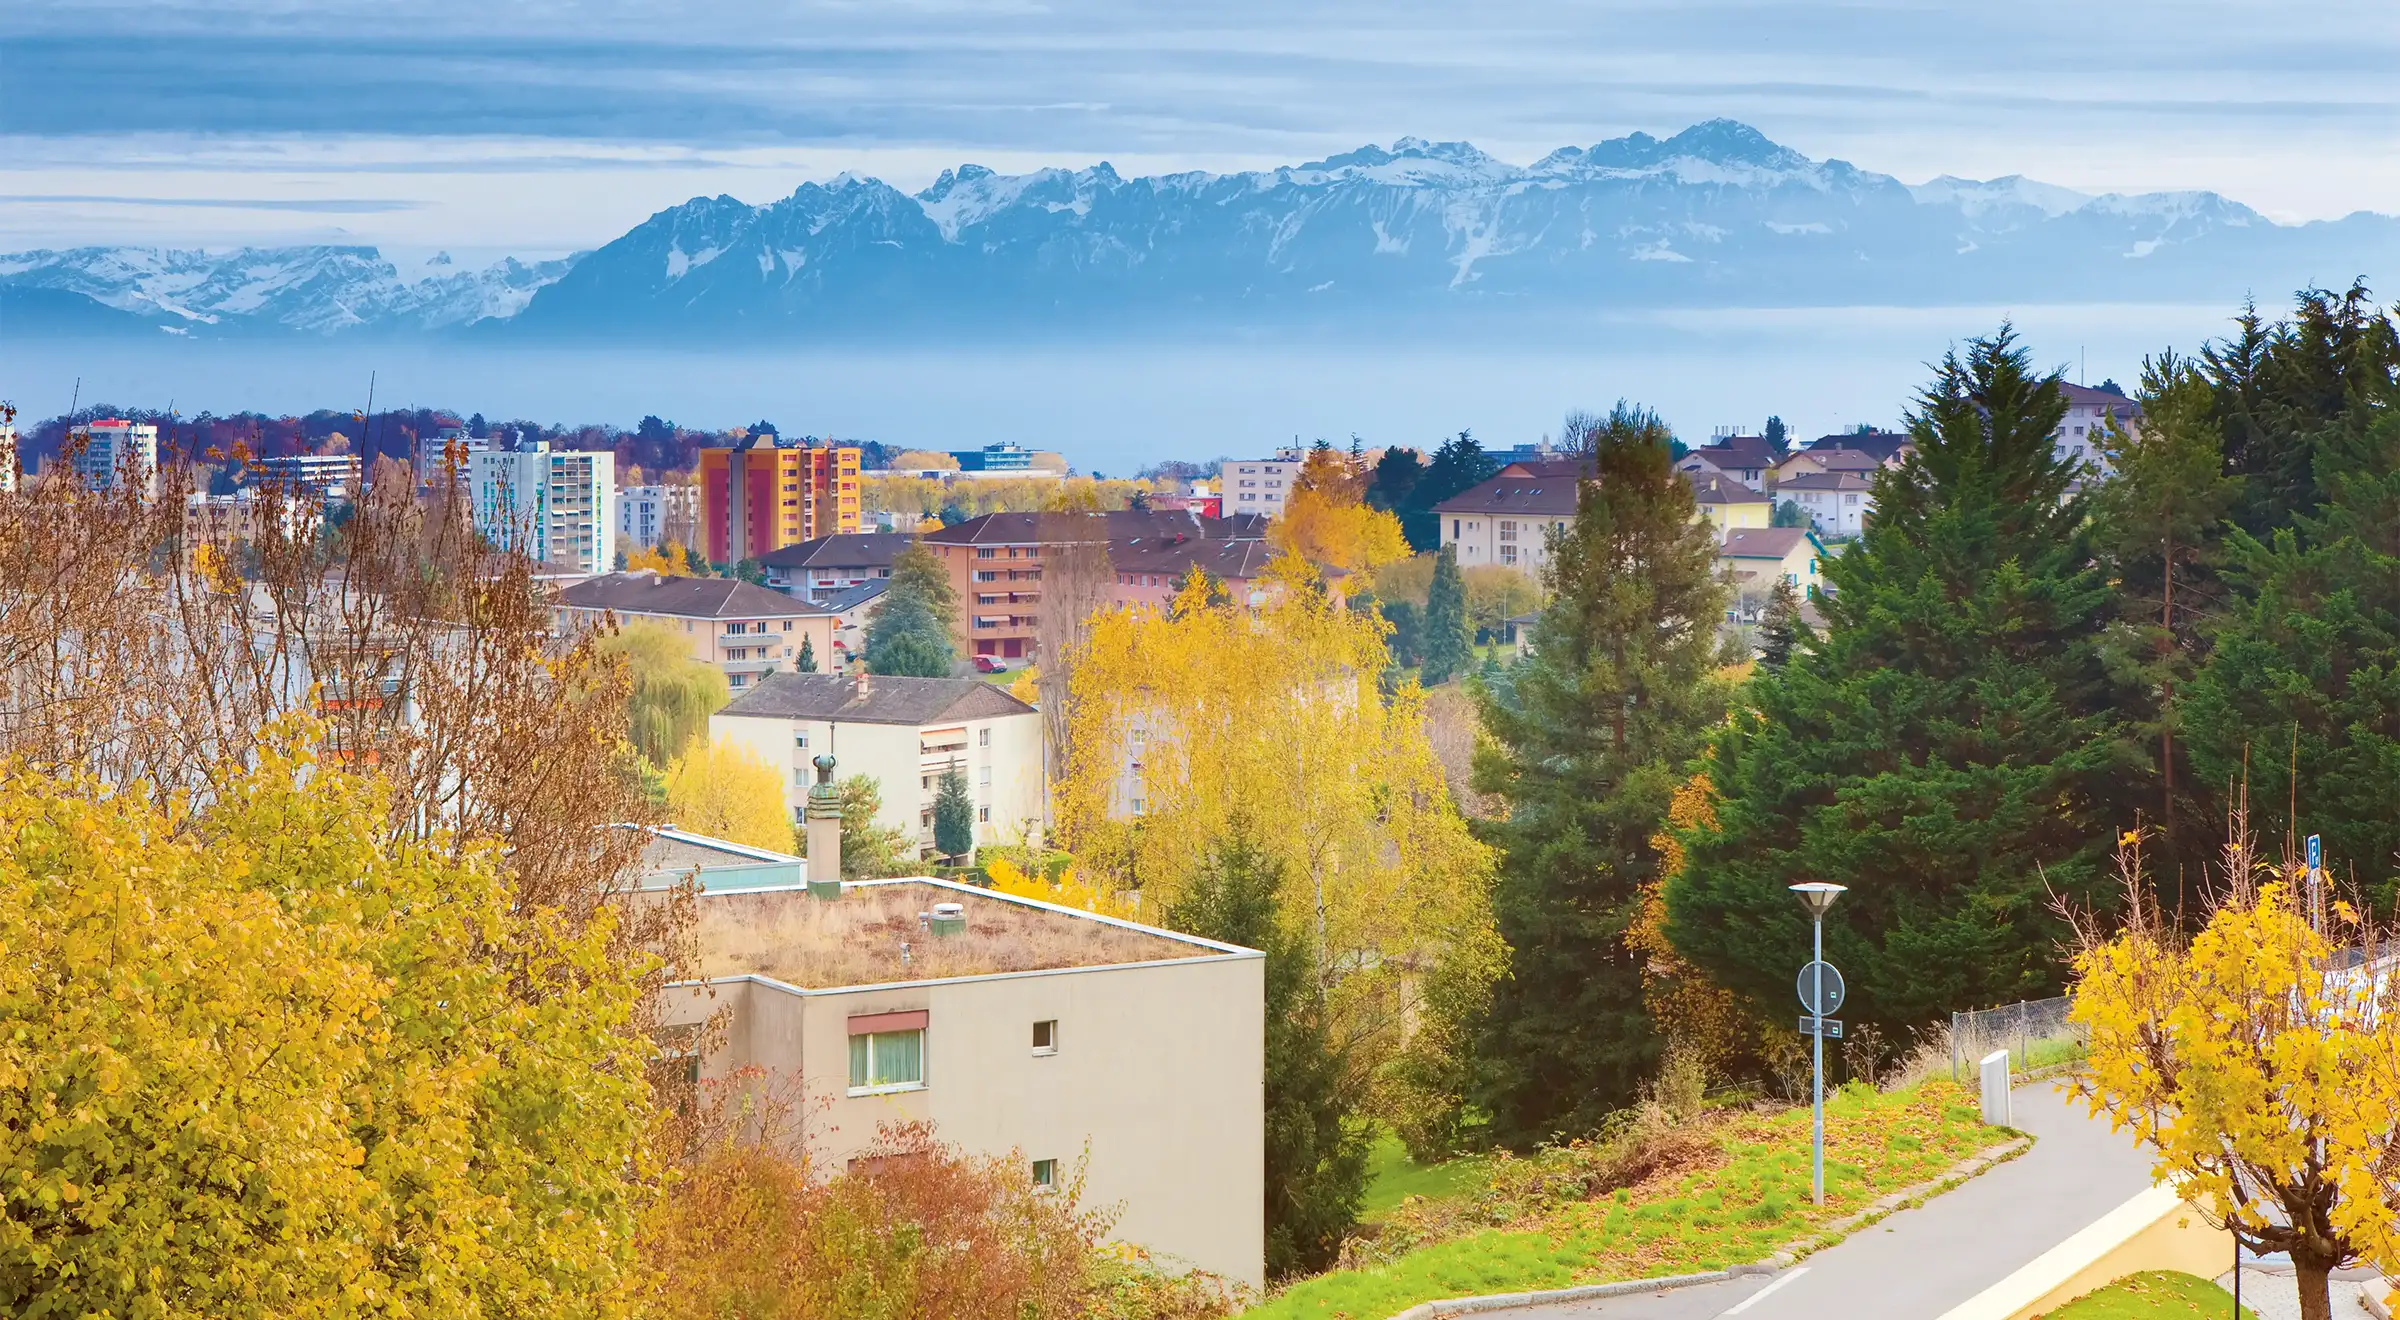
[1695,1014]
[1327,522]
[666,557]
[256,1061]
[2258,1063]
[721,789]
[1217,720]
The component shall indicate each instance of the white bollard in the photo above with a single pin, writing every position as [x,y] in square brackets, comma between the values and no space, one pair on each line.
[1996,1109]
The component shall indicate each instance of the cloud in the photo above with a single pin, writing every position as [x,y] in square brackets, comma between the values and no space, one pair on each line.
[324,206]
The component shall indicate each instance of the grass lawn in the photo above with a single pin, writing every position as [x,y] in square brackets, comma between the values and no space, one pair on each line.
[1392,1177]
[1737,1209]
[2152,1295]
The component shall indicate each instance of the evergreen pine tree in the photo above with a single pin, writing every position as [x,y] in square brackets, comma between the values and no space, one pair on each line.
[2306,664]
[953,815]
[911,632]
[806,661]
[1591,734]
[1778,437]
[2159,523]
[1946,748]
[1445,644]
[1781,628]
[1316,1143]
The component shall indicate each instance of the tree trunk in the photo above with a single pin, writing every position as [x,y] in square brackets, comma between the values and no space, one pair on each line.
[2316,1299]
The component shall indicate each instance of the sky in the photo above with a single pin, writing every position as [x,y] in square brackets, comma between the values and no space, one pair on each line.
[489,127]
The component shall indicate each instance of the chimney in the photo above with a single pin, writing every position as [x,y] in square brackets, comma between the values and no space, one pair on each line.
[824,823]
[864,686]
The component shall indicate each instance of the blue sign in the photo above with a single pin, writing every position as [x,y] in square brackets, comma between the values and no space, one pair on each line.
[2316,854]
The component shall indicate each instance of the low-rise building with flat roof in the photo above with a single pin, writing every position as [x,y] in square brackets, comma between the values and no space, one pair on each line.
[1018,1029]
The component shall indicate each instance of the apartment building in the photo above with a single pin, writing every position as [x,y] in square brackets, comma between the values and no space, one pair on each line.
[742,628]
[117,454]
[331,478]
[1508,520]
[760,497]
[1259,485]
[2082,435]
[1758,557]
[903,733]
[655,515]
[1728,504]
[436,452]
[818,569]
[998,564]
[8,458]
[1017,1028]
[1743,458]
[1150,570]
[558,506]
[1003,457]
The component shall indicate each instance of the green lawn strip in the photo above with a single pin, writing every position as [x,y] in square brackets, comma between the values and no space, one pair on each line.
[1735,1212]
[1392,1177]
[2152,1295]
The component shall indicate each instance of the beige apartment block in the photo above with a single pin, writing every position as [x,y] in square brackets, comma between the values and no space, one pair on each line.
[743,629]
[1042,1034]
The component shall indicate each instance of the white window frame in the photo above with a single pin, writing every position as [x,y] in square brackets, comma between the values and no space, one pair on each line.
[1039,1035]
[890,1088]
[1045,1185]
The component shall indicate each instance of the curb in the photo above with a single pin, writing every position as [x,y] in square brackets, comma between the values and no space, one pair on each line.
[1783,1259]
[1586,1292]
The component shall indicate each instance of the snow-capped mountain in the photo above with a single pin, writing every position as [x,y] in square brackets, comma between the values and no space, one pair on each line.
[1416,237]
[307,290]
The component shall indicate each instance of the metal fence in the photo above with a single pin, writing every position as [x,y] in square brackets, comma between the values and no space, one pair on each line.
[2035,1033]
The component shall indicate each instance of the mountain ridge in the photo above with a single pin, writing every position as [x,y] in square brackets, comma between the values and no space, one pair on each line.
[1414,236]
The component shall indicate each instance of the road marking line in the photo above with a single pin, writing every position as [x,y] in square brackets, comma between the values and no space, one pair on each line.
[1752,1300]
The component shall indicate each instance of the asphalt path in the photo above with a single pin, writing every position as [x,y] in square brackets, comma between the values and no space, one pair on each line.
[1917,1264]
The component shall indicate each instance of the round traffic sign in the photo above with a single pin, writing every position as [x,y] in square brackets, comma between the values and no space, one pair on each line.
[1821,989]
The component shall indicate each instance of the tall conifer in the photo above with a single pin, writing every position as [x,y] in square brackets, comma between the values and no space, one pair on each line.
[1445,644]
[1590,738]
[1946,748]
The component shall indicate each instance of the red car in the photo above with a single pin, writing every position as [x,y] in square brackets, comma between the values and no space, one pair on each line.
[985,664]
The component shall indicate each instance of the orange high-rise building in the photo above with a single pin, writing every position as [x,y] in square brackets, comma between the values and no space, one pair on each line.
[763,497]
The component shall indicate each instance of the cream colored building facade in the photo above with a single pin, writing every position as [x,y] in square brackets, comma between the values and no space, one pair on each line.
[1149,1072]
[903,733]
[743,629]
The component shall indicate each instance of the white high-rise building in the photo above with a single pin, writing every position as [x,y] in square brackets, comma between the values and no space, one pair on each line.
[116,453]
[8,457]
[651,515]
[557,506]
[432,451]
[1259,485]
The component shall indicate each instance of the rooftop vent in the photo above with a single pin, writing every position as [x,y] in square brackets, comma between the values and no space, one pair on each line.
[949,919]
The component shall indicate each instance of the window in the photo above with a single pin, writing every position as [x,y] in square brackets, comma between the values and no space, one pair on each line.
[800,739]
[1045,1175]
[1508,530]
[886,1062]
[983,737]
[1849,499]
[787,625]
[1045,1036]
[1454,529]
[987,553]
[986,773]
[983,813]
[1508,554]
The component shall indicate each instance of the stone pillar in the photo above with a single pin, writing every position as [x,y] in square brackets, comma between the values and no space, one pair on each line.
[824,820]
[1997,1109]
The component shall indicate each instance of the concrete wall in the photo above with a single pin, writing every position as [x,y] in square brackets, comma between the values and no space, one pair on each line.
[1157,1079]
[2156,1230]
[890,754]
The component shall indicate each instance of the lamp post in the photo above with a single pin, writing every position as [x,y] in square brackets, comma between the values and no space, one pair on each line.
[1820,997]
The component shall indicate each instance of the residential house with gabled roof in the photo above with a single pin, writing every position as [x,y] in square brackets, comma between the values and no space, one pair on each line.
[814,570]
[903,733]
[1742,458]
[1149,570]
[740,627]
[1756,557]
[1837,503]
[1728,504]
[1813,462]
[1882,445]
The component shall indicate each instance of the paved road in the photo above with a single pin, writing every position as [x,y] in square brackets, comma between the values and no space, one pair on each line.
[1919,1263]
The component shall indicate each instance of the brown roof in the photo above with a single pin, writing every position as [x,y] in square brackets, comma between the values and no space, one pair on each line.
[1842,460]
[2078,395]
[847,549]
[1740,451]
[1761,542]
[1113,525]
[1231,561]
[687,597]
[889,699]
[1546,495]
[1709,488]
[1882,444]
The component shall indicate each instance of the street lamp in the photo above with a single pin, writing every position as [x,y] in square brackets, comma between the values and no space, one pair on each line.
[1820,994]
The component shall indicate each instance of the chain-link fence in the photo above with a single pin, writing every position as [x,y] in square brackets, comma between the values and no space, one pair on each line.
[2035,1033]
